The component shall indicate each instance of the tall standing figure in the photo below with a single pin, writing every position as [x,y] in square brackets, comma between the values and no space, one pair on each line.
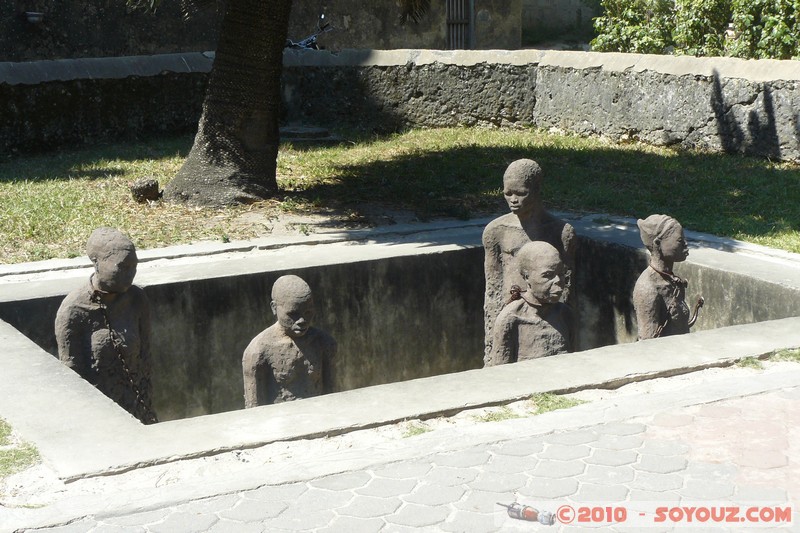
[659,296]
[504,236]
[290,359]
[103,328]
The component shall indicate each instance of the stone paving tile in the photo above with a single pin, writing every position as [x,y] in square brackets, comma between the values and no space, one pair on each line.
[701,489]
[759,493]
[558,469]
[618,442]
[563,452]
[621,428]
[663,447]
[764,459]
[323,499]
[519,448]
[510,464]
[656,482]
[494,482]
[299,518]
[607,475]
[185,523]
[639,495]
[404,470]
[462,459]
[549,488]
[464,521]
[252,510]
[210,505]
[139,519]
[481,501]
[229,526]
[269,493]
[590,493]
[414,515]
[435,494]
[344,481]
[572,438]
[612,457]
[710,471]
[370,507]
[385,487]
[661,464]
[447,475]
[348,524]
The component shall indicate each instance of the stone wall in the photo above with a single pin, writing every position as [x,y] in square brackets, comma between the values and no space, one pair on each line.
[720,104]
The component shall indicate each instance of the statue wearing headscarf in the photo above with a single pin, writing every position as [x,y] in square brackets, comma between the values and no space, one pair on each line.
[659,296]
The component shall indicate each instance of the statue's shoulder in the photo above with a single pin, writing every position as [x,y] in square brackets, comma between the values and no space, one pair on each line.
[499,225]
[75,303]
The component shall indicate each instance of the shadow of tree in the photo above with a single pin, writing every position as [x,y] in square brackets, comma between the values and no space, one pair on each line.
[715,193]
[759,136]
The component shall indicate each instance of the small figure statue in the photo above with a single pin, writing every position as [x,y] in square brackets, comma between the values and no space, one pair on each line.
[504,236]
[103,328]
[290,359]
[534,323]
[659,296]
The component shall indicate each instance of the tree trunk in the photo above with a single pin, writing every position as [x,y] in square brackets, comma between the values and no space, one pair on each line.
[233,159]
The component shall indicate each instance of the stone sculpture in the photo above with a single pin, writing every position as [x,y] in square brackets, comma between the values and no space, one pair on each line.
[506,235]
[290,359]
[103,328]
[659,296]
[534,323]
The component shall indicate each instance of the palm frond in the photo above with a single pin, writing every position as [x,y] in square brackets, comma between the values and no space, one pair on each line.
[413,10]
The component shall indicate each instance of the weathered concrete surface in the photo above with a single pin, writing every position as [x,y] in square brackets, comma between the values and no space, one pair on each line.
[80,432]
[403,303]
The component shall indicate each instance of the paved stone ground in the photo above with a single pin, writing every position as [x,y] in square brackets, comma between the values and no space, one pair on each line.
[738,452]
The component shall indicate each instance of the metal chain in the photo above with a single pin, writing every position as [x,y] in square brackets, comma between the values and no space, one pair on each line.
[149,417]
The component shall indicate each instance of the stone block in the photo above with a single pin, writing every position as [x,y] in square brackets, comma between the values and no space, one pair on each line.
[558,469]
[343,481]
[370,507]
[385,487]
[435,494]
[563,452]
[414,515]
[252,510]
[612,457]
[660,464]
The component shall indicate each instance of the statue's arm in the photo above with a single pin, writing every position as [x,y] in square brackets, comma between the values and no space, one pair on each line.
[506,344]
[493,273]
[648,311]
[250,371]
[71,338]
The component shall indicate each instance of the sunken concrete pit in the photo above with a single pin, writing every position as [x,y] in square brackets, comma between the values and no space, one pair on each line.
[405,304]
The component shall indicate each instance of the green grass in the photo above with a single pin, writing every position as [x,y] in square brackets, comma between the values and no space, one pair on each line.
[413,429]
[546,402]
[750,362]
[14,456]
[791,355]
[504,413]
[5,433]
[50,203]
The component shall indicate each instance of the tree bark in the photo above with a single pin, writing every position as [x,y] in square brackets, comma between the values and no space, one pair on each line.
[233,159]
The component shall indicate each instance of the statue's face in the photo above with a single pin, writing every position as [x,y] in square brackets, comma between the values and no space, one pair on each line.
[294,315]
[674,246]
[518,195]
[545,277]
[115,272]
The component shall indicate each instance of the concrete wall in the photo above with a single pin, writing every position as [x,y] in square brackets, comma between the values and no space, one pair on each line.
[396,317]
[720,104]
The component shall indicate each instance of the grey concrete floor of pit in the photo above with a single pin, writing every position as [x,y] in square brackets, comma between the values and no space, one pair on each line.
[716,437]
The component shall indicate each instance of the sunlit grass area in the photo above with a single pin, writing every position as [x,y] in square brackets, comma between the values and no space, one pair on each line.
[50,203]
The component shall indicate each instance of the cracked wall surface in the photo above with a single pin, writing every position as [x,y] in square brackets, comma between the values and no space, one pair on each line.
[717,104]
